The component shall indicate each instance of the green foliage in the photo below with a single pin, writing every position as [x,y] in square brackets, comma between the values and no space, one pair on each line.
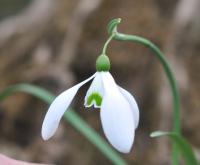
[70,116]
[182,145]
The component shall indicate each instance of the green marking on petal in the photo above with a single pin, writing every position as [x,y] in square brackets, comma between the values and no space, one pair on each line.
[94,97]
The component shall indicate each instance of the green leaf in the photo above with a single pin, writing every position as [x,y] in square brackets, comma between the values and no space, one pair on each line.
[70,116]
[181,143]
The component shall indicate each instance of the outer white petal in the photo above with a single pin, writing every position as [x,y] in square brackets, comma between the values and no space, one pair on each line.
[58,108]
[116,116]
[133,104]
[95,87]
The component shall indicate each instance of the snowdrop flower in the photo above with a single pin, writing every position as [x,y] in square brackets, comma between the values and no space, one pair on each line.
[118,109]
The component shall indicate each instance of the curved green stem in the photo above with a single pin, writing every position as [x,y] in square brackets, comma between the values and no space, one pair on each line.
[107,42]
[160,56]
[112,30]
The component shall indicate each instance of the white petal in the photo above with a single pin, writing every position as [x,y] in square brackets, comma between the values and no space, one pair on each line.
[58,108]
[116,116]
[133,104]
[96,87]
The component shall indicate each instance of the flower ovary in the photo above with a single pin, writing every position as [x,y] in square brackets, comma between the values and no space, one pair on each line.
[103,63]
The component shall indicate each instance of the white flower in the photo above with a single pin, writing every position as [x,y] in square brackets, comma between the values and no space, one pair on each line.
[119,111]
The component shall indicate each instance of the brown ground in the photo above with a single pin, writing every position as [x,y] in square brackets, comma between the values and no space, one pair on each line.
[54,44]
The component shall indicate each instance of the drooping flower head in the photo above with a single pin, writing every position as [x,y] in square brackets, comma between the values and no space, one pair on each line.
[118,109]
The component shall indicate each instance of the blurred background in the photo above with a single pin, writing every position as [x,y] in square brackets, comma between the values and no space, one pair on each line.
[54,44]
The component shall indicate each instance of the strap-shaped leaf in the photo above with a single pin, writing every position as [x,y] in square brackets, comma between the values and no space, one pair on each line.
[182,144]
[72,117]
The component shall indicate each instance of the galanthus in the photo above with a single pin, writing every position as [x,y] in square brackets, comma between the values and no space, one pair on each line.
[118,109]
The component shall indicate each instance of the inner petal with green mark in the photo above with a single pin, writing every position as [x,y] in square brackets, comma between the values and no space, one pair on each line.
[94,98]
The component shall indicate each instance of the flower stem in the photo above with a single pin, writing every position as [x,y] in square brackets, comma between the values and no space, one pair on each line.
[169,74]
[160,56]
[106,44]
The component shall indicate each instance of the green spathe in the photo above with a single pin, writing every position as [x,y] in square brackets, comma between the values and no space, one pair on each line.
[103,63]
